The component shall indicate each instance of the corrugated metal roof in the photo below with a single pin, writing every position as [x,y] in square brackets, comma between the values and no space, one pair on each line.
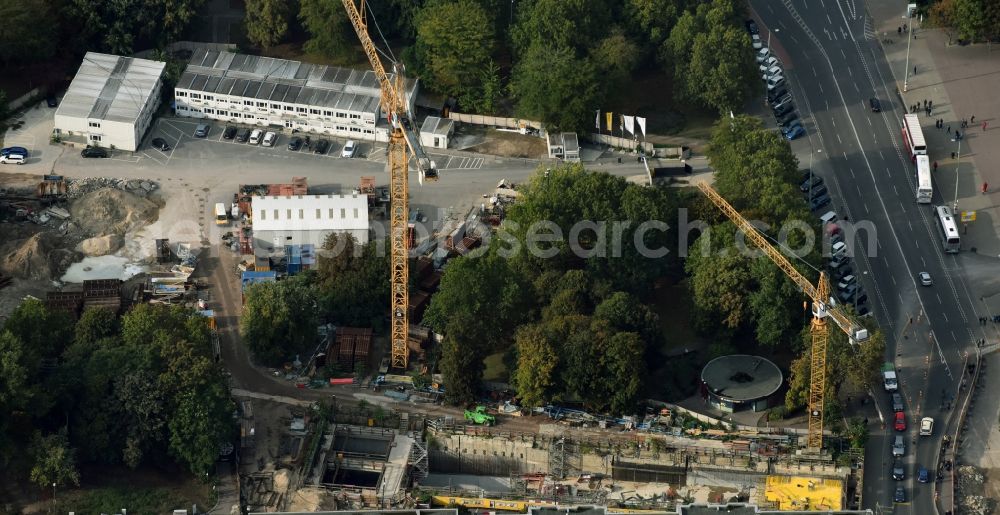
[310,213]
[287,81]
[437,125]
[110,87]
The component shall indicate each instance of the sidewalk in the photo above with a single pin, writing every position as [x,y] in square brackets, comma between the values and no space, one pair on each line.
[960,82]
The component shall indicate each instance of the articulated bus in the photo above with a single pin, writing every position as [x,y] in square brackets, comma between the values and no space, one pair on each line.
[924,189]
[948,229]
[913,136]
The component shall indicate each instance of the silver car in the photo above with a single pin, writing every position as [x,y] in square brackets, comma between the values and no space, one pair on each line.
[898,446]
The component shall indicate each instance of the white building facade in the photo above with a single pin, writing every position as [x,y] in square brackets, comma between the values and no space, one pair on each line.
[278,93]
[111,101]
[302,219]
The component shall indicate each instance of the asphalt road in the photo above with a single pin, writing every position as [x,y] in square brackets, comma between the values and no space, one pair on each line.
[834,66]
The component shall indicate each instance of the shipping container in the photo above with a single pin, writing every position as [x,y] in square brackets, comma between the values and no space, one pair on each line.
[342,380]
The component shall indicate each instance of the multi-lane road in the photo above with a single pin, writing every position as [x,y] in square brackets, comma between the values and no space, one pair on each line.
[835,65]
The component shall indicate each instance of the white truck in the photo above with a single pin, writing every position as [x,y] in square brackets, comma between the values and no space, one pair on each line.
[889,377]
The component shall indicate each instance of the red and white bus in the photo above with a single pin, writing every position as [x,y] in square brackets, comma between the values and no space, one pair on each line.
[913,136]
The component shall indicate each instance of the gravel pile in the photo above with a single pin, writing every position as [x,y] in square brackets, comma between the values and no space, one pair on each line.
[80,187]
[971,498]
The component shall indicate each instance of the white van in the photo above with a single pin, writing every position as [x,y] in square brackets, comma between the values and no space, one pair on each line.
[926,426]
[15,159]
[255,136]
[828,218]
[269,139]
[763,54]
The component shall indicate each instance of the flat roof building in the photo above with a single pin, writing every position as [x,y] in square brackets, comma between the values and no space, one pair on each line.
[110,102]
[435,131]
[279,93]
[737,382]
[307,219]
[564,145]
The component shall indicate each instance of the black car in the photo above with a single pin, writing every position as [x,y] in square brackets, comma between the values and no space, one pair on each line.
[321,146]
[787,118]
[752,27]
[295,143]
[243,136]
[817,191]
[898,472]
[775,94]
[875,105]
[229,133]
[899,495]
[94,152]
[818,202]
[843,272]
[862,299]
[51,101]
[161,144]
[810,183]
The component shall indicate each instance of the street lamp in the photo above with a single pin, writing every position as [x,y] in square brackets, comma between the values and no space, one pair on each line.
[909,36]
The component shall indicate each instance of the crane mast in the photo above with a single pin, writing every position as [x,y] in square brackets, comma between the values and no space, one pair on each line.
[403,142]
[822,308]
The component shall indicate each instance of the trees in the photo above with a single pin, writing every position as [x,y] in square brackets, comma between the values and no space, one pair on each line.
[454,42]
[199,424]
[120,27]
[54,461]
[572,24]
[534,377]
[27,34]
[353,282]
[279,320]
[616,56]
[266,21]
[552,84]
[330,30]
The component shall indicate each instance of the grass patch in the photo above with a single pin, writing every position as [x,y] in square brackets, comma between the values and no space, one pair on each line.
[496,369]
[145,490]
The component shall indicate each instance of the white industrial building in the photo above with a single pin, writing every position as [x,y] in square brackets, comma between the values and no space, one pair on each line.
[435,131]
[564,145]
[303,219]
[110,102]
[262,91]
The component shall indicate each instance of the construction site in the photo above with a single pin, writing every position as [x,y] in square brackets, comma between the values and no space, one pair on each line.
[324,459]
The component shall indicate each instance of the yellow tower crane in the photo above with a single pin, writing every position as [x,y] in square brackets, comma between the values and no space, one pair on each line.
[823,307]
[404,142]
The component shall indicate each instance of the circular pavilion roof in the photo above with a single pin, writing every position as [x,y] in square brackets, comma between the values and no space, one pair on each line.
[741,377]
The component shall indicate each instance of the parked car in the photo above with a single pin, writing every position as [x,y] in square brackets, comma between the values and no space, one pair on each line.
[784,109]
[14,150]
[255,136]
[796,132]
[756,42]
[243,135]
[900,421]
[897,404]
[94,152]
[898,446]
[788,118]
[808,184]
[843,272]
[786,130]
[875,105]
[898,472]
[862,299]
[201,131]
[847,281]
[775,94]
[269,139]
[839,261]
[350,148]
[923,475]
[819,202]
[771,72]
[229,133]
[321,146]
[863,311]
[752,27]
[12,159]
[50,100]
[295,143]
[926,426]
[821,190]
[899,495]
[160,144]
[925,279]
[763,54]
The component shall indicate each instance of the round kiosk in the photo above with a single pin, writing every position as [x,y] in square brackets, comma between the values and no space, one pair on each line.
[740,382]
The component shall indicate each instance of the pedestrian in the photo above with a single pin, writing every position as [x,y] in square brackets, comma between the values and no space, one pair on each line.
[935,166]
[914,70]
[984,126]
[957,136]
[986,186]
[899,30]
[973,118]
[953,155]
[925,103]
[949,129]
[929,112]
[930,103]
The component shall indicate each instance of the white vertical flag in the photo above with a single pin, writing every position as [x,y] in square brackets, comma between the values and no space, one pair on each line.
[597,121]
[630,124]
[621,125]
[642,125]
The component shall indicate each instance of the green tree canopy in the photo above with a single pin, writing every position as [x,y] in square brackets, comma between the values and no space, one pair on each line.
[266,21]
[353,282]
[330,31]
[454,42]
[279,320]
[55,461]
[574,24]
[556,87]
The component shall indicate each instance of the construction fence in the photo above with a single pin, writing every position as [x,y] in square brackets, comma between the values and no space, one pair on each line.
[619,142]
[495,121]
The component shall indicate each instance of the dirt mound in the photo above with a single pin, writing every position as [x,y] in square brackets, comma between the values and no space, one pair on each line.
[112,211]
[27,258]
